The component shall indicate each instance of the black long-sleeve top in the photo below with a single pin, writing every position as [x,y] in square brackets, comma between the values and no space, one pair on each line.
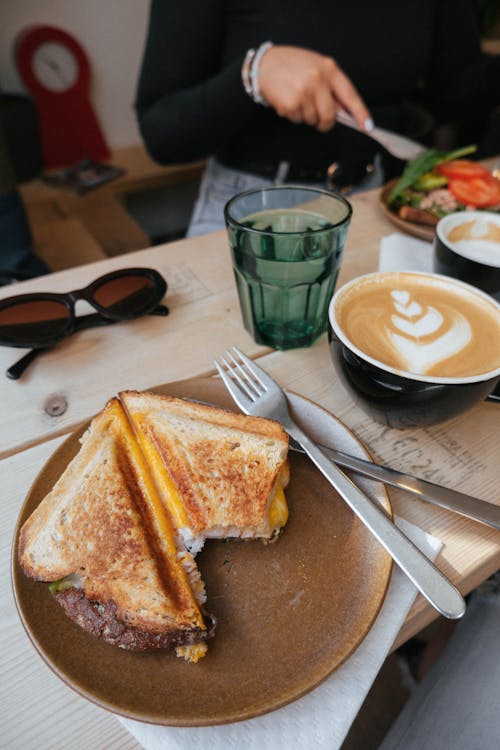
[191,102]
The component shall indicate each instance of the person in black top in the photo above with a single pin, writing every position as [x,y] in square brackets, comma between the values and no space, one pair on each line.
[195,97]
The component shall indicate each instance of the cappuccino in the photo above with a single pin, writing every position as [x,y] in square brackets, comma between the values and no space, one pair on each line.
[474,235]
[420,324]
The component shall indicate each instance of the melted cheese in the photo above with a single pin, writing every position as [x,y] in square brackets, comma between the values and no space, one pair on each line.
[166,484]
[166,531]
[192,653]
[150,492]
[278,509]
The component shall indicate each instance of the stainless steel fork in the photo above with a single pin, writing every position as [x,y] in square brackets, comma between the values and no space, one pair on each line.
[256,393]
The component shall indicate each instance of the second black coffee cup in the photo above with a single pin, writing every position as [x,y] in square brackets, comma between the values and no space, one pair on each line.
[467,247]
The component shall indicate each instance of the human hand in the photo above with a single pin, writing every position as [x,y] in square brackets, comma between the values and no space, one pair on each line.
[305,86]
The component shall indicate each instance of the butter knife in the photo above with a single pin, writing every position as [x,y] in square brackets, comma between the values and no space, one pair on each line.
[444,497]
[397,145]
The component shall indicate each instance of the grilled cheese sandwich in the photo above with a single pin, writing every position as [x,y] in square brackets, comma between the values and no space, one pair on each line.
[154,477]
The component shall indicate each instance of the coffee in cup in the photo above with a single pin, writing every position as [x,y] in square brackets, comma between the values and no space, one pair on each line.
[415,348]
[467,247]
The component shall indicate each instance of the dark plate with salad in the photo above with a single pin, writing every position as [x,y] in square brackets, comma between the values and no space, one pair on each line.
[438,183]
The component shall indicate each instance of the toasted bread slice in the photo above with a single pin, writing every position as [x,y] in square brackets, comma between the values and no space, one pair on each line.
[103,521]
[220,474]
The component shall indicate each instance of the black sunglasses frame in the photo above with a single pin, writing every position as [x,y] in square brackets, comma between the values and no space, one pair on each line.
[82,322]
[69,299]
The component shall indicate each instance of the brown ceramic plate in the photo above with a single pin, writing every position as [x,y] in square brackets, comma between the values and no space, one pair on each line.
[410,227]
[288,613]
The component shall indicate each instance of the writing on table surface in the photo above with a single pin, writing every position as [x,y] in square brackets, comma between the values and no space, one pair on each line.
[432,453]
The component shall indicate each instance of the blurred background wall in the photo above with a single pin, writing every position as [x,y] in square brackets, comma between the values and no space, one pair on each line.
[111,32]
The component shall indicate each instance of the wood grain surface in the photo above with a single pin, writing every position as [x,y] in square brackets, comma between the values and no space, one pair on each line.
[37,710]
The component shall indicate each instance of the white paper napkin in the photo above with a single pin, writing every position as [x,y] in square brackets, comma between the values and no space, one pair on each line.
[321,719]
[399,252]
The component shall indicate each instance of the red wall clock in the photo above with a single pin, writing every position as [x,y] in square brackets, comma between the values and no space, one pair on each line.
[56,71]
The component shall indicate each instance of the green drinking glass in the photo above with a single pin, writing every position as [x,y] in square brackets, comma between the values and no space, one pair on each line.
[287,244]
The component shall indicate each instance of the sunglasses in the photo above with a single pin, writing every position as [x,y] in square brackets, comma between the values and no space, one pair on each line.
[42,319]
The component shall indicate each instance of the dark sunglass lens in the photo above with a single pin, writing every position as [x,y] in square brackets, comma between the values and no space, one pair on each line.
[31,323]
[127,296]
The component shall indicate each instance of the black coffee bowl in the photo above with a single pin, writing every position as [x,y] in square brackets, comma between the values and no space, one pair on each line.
[397,398]
[399,401]
[448,260]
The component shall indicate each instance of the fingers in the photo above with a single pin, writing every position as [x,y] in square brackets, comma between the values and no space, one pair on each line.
[345,92]
[309,113]
[325,110]
[317,105]
[306,87]
[294,115]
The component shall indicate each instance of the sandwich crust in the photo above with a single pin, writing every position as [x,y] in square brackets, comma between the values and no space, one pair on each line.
[102,621]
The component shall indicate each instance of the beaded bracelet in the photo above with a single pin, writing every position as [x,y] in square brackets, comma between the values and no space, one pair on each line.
[254,73]
[250,72]
[245,72]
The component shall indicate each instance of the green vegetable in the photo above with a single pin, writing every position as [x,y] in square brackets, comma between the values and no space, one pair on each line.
[430,181]
[422,164]
[68,582]
[414,200]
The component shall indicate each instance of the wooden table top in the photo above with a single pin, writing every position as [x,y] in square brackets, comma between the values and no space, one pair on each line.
[85,370]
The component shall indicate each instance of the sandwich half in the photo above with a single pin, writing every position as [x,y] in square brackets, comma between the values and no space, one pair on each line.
[219,474]
[103,536]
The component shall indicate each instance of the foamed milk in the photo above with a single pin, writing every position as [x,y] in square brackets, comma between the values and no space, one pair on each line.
[476,238]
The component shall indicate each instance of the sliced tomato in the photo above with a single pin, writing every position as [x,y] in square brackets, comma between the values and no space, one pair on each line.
[476,191]
[462,169]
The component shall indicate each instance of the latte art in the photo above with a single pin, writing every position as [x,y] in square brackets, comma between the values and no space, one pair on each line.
[420,324]
[427,338]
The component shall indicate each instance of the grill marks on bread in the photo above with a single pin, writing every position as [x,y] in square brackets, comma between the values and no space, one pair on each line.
[224,466]
[203,477]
